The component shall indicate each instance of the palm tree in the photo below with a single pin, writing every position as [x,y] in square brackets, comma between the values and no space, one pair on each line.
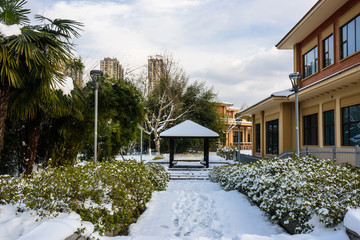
[31,60]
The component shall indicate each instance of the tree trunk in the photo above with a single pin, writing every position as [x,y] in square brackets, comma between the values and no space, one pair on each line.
[33,136]
[150,144]
[4,100]
[157,145]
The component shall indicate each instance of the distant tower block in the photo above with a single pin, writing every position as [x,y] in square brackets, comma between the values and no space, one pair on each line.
[112,68]
[156,70]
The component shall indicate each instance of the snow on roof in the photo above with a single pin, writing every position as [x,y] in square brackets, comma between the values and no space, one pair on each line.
[189,128]
[10,30]
[226,104]
[283,93]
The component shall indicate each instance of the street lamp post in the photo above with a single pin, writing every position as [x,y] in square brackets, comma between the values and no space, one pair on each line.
[141,143]
[295,79]
[96,76]
[238,122]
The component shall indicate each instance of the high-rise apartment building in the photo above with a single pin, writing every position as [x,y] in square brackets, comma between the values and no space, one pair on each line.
[112,68]
[156,69]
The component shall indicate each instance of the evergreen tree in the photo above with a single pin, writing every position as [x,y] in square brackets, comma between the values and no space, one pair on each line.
[30,62]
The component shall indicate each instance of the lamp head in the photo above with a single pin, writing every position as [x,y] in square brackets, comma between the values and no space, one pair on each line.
[238,120]
[295,79]
[96,75]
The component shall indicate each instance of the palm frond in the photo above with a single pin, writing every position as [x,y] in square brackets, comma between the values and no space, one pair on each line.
[65,27]
[13,12]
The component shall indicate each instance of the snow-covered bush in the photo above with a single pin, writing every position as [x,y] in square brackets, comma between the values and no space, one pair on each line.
[227,153]
[111,195]
[293,190]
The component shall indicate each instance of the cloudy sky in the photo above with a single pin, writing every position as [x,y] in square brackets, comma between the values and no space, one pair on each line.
[229,44]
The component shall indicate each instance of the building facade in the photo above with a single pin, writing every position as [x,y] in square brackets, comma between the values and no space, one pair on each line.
[112,68]
[156,70]
[326,50]
[77,76]
[231,131]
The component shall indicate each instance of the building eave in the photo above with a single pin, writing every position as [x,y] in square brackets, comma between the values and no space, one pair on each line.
[344,78]
[311,20]
[264,104]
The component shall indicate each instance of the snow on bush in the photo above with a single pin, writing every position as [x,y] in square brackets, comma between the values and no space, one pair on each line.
[227,153]
[10,30]
[293,190]
[111,195]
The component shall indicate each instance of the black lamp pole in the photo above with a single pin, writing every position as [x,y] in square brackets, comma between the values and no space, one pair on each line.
[238,121]
[295,79]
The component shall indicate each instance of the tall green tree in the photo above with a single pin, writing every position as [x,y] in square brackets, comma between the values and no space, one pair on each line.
[120,113]
[31,60]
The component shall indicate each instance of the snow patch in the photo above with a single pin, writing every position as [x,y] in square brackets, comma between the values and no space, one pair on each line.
[66,86]
[28,225]
[352,220]
[10,30]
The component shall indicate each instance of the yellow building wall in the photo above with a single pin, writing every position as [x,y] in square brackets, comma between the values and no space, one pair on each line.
[344,97]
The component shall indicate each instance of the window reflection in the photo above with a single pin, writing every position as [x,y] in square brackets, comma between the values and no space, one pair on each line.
[310,62]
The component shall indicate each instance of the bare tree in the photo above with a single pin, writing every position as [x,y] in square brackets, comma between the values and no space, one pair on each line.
[163,100]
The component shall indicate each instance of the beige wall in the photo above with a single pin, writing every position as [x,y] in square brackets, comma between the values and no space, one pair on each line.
[285,113]
[343,97]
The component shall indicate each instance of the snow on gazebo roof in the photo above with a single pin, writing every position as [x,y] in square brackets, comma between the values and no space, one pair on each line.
[189,129]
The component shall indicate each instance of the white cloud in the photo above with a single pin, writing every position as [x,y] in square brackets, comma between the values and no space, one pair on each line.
[251,79]
[228,43]
[166,6]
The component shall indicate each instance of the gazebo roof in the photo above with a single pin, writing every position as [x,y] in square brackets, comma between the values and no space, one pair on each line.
[189,129]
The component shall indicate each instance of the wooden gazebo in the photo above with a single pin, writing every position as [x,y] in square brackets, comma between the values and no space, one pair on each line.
[189,129]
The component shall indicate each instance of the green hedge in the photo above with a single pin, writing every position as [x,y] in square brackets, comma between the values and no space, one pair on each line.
[227,153]
[111,195]
[293,190]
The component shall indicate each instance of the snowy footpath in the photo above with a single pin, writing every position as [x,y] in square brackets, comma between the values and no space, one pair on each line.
[201,210]
[196,210]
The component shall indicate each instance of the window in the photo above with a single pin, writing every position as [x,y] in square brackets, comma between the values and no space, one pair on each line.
[310,62]
[328,51]
[351,125]
[235,137]
[248,138]
[311,129]
[350,37]
[329,128]
[272,137]
[257,133]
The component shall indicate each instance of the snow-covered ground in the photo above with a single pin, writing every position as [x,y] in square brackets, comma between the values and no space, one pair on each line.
[201,210]
[198,210]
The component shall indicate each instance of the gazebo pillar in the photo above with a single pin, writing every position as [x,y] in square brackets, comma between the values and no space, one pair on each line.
[206,152]
[172,146]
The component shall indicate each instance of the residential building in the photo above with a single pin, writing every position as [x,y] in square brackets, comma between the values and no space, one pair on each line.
[156,70]
[73,69]
[76,75]
[231,131]
[112,68]
[326,50]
